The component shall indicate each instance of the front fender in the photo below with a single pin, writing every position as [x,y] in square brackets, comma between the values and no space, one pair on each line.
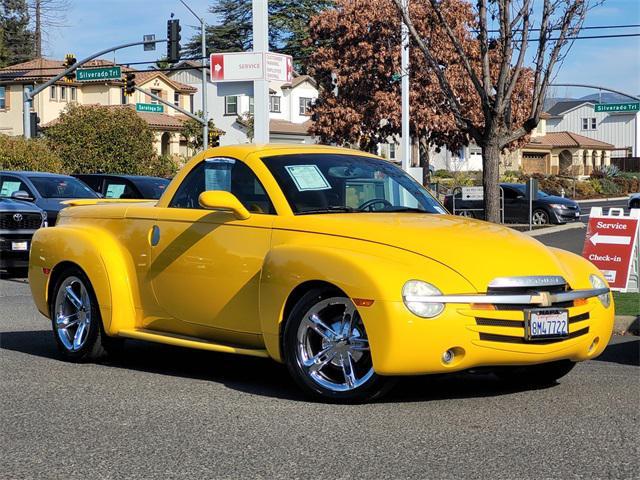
[378,276]
[99,254]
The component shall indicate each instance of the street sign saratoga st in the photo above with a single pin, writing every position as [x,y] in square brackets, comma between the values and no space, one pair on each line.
[612,245]
[149,107]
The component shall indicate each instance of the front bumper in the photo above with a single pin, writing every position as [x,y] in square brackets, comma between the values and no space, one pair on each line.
[10,258]
[404,344]
[566,215]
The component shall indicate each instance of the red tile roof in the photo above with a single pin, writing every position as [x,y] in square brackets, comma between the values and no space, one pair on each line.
[286,127]
[568,139]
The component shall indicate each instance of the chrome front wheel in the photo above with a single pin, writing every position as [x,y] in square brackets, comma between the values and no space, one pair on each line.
[332,345]
[540,217]
[327,349]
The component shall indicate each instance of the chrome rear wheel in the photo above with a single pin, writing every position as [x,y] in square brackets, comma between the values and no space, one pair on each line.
[73,313]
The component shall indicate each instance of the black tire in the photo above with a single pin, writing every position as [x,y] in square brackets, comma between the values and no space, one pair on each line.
[96,343]
[374,387]
[540,375]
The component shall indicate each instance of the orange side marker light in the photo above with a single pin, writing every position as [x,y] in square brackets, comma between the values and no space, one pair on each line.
[363,302]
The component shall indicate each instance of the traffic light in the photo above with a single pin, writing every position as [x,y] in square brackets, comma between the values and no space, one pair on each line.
[69,61]
[34,124]
[173,40]
[129,84]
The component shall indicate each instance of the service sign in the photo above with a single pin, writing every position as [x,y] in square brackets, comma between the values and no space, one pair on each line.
[610,245]
[249,66]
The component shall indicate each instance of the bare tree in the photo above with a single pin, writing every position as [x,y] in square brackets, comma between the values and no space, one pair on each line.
[47,15]
[504,30]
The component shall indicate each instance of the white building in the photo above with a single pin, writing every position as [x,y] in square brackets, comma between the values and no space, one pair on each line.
[621,129]
[289,105]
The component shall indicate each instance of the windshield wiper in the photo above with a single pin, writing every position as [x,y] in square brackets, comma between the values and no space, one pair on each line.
[401,209]
[331,209]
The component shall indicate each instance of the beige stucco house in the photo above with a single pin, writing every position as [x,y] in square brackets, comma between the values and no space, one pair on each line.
[565,153]
[15,79]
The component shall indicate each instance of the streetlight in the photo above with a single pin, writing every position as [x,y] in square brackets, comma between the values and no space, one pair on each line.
[205,128]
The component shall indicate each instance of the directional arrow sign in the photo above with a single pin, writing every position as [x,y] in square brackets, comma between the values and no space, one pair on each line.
[596,238]
[249,66]
[610,244]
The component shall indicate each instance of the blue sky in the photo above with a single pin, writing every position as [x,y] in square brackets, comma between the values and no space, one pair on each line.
[96,24]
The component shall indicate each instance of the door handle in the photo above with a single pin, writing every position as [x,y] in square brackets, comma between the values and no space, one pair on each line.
[154,235]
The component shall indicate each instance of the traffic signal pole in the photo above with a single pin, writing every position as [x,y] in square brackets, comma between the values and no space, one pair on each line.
[28,96]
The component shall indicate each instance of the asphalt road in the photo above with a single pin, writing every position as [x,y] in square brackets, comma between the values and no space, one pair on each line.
[585,207]
[163,412]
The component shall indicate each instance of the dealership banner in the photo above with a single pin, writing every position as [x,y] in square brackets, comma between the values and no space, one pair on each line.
[613,245]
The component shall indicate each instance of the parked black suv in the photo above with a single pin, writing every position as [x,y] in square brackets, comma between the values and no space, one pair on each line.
[18,222]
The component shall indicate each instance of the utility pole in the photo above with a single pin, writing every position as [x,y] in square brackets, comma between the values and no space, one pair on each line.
[38,30]
[260,87]
[406,140]
[205,114]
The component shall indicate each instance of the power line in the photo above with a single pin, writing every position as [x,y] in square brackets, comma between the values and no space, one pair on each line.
[594,27]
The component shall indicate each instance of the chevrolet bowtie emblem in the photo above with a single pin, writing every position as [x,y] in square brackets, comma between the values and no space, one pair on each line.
[542,298]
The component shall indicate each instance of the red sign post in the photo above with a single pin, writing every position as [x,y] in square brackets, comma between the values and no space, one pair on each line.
[611,245]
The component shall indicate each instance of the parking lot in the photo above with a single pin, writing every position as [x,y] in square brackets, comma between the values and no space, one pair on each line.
[163,412]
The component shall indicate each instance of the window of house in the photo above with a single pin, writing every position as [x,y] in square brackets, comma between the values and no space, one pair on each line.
[63,93]
[305,105]
[392,151]
[589,124]
[3,97]
[191,101]
[53,94]
[231,105]
[74,93]
[157,93]
[251,105]
[594,124]
[274,103]
[176,99]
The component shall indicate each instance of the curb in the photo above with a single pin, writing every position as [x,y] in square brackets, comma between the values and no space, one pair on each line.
[626,324]
[593,200]
[558,228]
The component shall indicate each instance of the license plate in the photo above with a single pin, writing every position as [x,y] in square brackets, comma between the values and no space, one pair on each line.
[577,214]
[541,324]
[20,246]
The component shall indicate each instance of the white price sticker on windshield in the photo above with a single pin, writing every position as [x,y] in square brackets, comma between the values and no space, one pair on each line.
[307,177]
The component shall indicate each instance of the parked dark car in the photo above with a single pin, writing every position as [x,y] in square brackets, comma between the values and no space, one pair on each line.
[18,222]
[634,200]
[125,186]
[546,209]
[46,190]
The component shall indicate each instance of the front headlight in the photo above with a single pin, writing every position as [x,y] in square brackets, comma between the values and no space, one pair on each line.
[414,295]
[558,206]
[597,282]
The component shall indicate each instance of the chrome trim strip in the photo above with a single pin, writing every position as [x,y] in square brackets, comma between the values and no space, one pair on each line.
[528,281]
[541,298]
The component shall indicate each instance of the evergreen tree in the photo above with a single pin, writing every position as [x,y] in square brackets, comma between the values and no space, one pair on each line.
[16,44]
[288,28]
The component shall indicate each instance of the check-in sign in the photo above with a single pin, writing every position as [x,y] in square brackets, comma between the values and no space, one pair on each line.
[249,66]
[611,244]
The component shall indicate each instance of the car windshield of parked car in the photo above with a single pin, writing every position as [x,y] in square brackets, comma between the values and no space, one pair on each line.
[61,187]
[326,183]
[152,187]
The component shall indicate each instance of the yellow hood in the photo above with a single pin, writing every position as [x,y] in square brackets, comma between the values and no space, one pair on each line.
[477,250]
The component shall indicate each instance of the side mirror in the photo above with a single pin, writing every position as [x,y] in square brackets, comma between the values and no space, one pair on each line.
[22,195]
[221,200]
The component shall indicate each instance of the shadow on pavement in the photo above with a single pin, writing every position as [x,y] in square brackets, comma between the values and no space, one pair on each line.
[626,353]
[254,375]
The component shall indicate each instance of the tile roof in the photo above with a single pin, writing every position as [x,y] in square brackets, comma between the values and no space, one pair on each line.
[299,80]
[567,139]
[284,126]
[41,68]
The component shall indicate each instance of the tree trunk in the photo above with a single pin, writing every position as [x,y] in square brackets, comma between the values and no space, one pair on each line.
[38,29]
[491,181]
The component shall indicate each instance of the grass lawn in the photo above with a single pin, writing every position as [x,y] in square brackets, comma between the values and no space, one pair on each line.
[627,303]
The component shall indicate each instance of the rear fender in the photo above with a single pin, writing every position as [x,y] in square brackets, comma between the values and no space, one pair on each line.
[103,260]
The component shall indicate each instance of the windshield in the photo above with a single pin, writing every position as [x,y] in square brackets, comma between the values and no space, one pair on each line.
[325,183]
[151,187]
[61,187]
